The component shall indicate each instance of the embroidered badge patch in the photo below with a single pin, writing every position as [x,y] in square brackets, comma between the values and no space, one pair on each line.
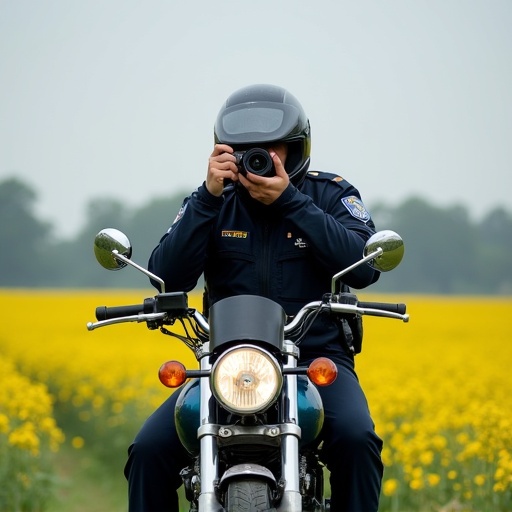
[179,216]
[180,213]
[301,243]
[356,208]
[234,234]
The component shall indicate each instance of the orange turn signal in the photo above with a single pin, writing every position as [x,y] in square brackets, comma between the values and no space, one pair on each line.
[172,374]
[322,371]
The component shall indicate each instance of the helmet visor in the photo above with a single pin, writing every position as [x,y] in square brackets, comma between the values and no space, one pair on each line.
[243,124]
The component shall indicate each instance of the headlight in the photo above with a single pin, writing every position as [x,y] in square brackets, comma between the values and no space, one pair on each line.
[246,380]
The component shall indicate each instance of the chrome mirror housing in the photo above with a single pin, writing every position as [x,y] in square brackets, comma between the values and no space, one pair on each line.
[392,247]
[107,241]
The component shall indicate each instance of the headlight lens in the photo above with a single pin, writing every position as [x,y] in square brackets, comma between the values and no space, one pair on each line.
[246,380]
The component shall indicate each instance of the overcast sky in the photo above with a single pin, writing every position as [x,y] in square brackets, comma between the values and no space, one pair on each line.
[117,98]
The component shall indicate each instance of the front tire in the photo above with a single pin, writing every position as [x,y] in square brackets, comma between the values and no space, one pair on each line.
[249,496]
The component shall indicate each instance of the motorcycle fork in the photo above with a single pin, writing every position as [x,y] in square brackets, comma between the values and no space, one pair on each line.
[291,499]
[209,460]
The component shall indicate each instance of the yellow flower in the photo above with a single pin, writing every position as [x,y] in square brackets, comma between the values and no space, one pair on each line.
[390,487]
[479,480]
[439,442]
[433,479]
[25,438]
[77,442]
[406,428]
[4,424]
[417,473]
[426,458]
[98,402]
[416,484]
[387,456]
[462,438]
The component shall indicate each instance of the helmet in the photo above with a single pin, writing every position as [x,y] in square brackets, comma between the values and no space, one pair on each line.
[262,114]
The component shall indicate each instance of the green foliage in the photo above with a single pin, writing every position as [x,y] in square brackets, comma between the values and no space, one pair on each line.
[23,238]
[445,250]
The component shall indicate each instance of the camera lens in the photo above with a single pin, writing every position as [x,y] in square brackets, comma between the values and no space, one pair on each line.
[258,161]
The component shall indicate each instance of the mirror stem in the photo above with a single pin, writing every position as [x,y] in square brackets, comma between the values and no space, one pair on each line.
[122,258]
[368,257]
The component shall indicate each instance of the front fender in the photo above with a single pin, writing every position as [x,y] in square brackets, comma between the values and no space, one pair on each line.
[248,470]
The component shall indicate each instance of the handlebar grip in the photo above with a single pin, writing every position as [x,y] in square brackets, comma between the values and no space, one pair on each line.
[107,313]
[385,306]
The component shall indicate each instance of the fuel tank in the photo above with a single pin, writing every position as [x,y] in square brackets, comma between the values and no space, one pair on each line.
[186,414]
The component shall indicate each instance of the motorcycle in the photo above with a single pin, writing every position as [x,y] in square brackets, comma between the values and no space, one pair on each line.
[250,416]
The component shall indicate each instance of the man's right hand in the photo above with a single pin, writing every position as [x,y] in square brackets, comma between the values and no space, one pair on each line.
[221,166]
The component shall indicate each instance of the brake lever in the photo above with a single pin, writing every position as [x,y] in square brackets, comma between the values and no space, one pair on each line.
[142,317]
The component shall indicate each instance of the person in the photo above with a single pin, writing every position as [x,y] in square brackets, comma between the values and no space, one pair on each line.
[282,235]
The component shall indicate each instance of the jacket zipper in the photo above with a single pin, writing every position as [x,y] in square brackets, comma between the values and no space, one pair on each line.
[265,268]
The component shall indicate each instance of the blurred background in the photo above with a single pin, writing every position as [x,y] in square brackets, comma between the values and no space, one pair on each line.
[107,116]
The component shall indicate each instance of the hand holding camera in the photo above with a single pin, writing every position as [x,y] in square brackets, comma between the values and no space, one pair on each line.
[265,177]
[259,171]
[256,161]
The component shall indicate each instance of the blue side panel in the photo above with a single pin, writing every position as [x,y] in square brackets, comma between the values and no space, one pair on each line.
[311,410]
[311,413]
[187,414]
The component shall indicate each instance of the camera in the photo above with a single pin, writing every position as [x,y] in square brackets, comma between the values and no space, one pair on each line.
[256,161]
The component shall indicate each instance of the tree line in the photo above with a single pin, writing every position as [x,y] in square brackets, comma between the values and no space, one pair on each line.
[446,252]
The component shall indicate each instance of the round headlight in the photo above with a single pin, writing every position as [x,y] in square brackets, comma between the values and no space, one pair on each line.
[246,380]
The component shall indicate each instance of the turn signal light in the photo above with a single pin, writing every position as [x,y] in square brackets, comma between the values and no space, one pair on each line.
[172,374]
[322,371]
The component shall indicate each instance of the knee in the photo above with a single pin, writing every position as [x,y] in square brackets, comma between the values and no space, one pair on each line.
[362,436]
[147,443]
[353,442]
[148,457]
[144,449]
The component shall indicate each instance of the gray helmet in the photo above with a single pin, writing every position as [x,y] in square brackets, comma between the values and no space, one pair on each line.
[262,114]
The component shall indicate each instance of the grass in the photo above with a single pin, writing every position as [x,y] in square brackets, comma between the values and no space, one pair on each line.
[86,484]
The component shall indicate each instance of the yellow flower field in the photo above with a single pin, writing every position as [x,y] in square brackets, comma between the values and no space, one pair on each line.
[28,434]
[439,387]
[440,392]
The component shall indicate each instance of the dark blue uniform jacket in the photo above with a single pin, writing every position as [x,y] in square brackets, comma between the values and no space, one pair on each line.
[287,251]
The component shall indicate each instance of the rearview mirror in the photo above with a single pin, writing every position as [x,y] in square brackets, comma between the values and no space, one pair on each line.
[392,247]
[108,240]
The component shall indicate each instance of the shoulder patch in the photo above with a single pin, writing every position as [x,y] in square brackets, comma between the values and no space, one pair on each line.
[327,176]
[180,213]
[356,208]
[179,216]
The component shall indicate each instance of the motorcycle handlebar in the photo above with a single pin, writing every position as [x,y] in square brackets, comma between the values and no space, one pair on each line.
[164,304]
[108,313]
[384,306]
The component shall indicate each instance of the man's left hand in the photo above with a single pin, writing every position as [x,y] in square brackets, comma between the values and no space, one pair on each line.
[266,190]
